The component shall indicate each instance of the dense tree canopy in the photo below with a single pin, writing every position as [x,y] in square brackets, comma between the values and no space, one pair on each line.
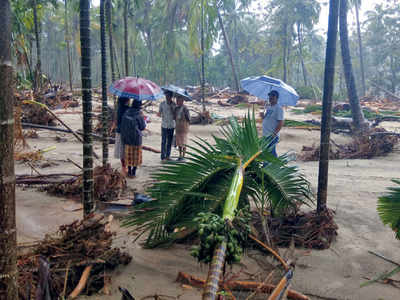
[278,38]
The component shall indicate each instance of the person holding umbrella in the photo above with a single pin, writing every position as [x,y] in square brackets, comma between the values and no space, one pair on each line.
[182,119]
[119,150]
[132,122]
[272,120]
[279,94]
[132,126]
[166,112]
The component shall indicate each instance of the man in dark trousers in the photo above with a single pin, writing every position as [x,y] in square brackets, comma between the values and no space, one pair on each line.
[166,112]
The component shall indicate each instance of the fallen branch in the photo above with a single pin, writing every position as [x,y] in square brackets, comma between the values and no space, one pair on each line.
[82,283]
[238,285]
[112,140]
[385,90]
[44,106]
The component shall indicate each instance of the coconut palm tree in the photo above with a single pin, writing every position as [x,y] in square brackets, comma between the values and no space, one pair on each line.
[218,179]
[356,111]
[68,42]
[104,105]
[329,77]
[88,203]
[357,4]
[8,235]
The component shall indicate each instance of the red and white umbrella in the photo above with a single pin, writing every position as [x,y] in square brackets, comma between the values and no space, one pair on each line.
[136,88]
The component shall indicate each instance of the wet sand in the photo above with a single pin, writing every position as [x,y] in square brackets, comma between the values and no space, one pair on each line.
[336,273]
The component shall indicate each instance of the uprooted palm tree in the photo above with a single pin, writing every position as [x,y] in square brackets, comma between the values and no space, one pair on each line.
[210,193]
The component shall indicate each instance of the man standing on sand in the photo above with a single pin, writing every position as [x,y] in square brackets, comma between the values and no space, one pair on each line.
[272,120]
[166,112]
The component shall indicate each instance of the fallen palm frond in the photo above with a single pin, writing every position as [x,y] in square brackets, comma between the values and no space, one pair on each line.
[108,184]
[79,246]
[308,230]
[389,208]
[374,143]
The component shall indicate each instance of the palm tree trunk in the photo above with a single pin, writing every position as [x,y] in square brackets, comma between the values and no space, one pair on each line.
[8,233]
[228,214]
[329,77]
[38,73]
[356,111]
[393,71]
[110,37]
[202,57]
[285,46]
[301,54]
[88,203]
[228,48]
[67,40]
[104,102]
[360,49]
[126,4]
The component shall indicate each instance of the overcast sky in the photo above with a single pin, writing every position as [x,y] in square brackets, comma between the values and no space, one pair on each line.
[365,6]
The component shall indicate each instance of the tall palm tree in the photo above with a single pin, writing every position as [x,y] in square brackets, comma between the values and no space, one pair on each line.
[329,77]
[218,179]
[104,102]
[126,36]
[228,47]
[87,198]
[38,73]
[8,233]
[356,111]
[110,37]
[67,40]
[357,4]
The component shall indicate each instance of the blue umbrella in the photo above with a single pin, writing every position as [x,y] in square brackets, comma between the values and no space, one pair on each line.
[260,86]
[177,90]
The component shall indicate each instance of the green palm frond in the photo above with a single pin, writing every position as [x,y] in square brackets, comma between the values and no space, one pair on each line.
[389,208]
[202,183]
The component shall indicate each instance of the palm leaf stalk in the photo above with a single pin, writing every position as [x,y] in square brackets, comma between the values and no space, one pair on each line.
[215,184]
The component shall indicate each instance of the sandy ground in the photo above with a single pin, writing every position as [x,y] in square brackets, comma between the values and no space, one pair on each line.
[337,273]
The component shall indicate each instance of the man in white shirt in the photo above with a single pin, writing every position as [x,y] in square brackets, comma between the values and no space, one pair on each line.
[272,120]
[166,112]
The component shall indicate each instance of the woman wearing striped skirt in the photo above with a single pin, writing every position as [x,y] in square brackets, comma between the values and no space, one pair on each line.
[132,126]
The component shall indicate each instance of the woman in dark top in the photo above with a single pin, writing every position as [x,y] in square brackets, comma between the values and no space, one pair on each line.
[132,125]
[119,150]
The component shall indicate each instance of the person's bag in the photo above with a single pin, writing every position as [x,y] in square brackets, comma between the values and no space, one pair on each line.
[129,130]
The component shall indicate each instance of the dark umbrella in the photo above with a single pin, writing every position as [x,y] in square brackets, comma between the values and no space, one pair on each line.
[178,91]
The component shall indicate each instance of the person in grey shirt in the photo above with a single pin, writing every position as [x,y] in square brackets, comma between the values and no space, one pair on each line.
[272,120]
[166,112]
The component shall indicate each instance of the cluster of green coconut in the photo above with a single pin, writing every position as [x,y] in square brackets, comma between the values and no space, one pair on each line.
[213,230]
